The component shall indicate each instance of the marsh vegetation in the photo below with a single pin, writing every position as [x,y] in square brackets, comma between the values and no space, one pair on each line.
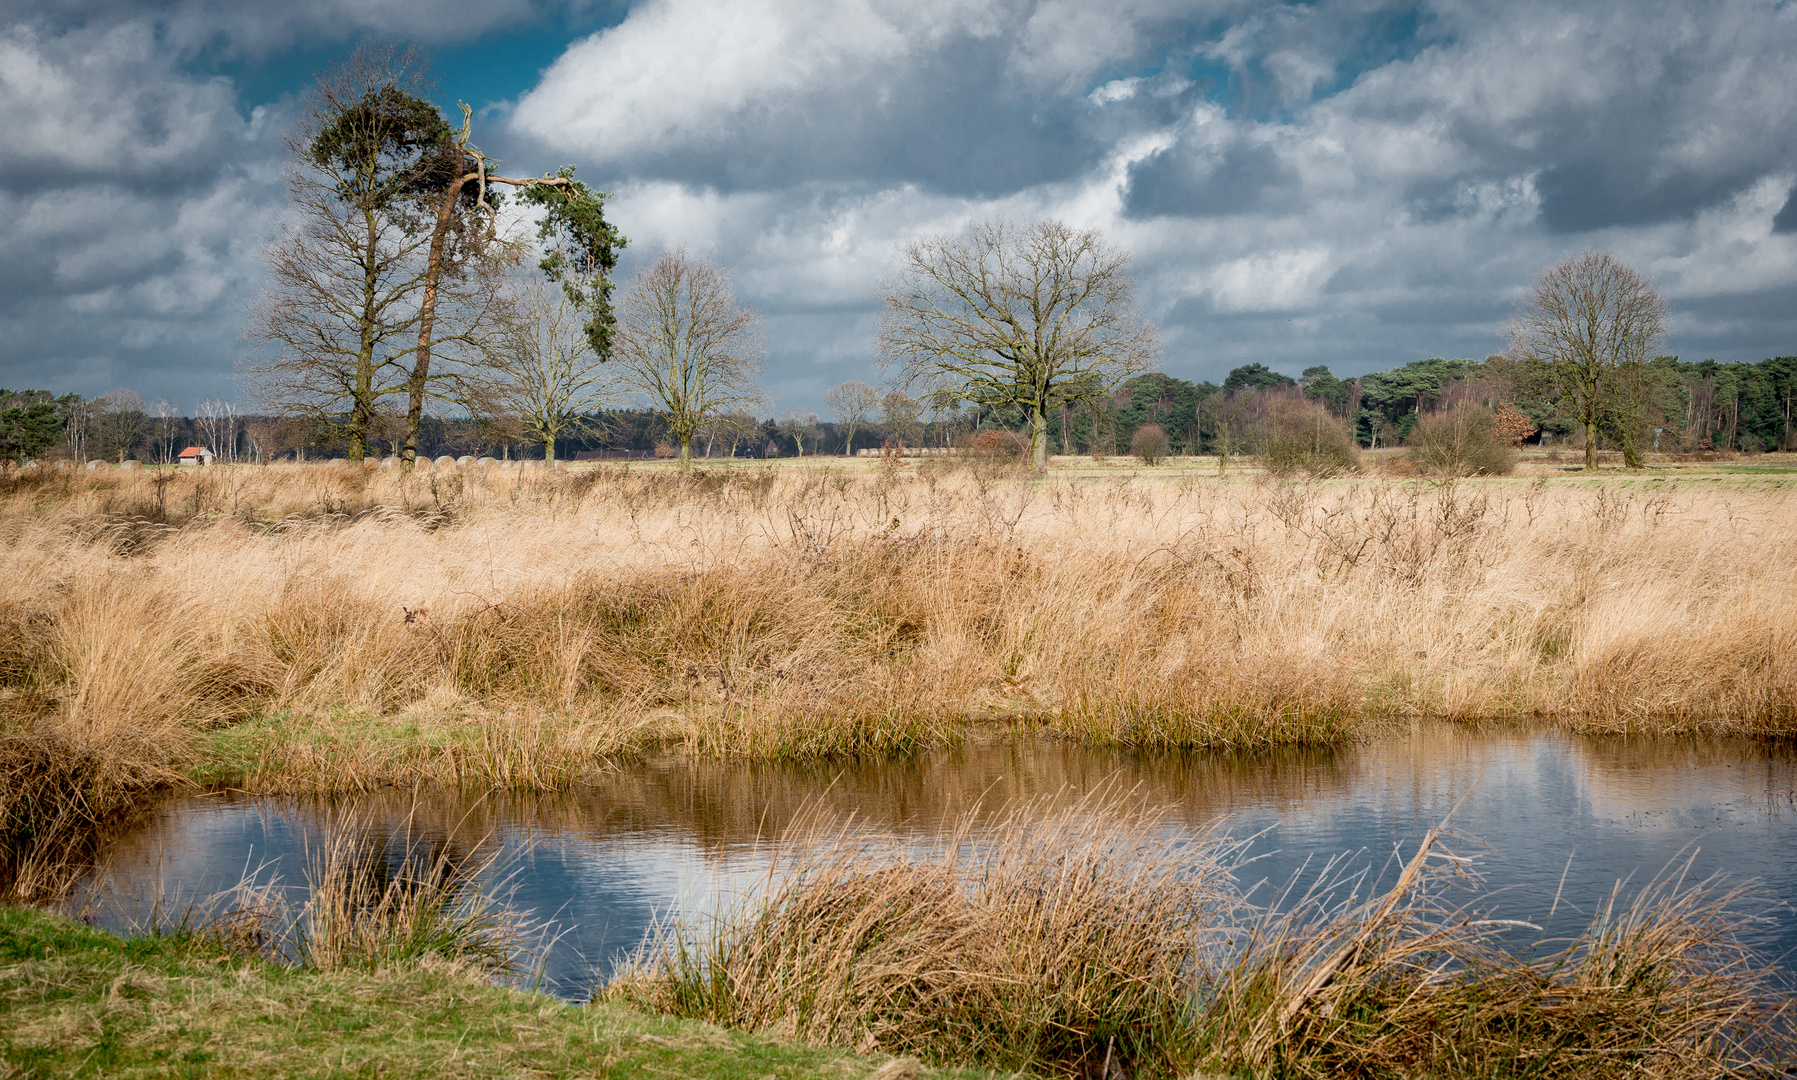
[514,624]
[1093,941]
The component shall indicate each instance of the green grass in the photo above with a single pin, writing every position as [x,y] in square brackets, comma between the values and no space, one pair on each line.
[227,755]
[75,1002]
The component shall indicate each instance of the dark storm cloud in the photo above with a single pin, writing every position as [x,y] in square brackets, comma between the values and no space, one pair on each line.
[1785,221]
[137,196]
[104,106]
[1241,178]
[1583,195]
[187,26]
[1625,116]
[952,122]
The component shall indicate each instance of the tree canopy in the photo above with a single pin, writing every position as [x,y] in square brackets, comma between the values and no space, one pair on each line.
[580,250]
[31,421]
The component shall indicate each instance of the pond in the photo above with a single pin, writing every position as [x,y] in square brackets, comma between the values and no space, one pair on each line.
[652,839]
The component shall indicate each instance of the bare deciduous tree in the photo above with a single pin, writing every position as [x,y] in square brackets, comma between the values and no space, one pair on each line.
[542,369]
[799,425]
[77,428]
[216,421]
[902,415]
[853,404]
[119,424]
[730,429]
[684,343]
[1583,331]
[168,428]
[263,436]
[1035,317]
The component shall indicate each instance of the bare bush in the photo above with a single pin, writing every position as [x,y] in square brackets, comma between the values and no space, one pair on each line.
[995,445]
[1300,435]
[1462,441]
[1149,444]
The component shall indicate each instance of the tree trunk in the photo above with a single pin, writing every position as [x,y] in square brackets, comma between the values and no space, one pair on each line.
[1039,438]
[686,449]
[1591,444]
[427,317]
[362,408]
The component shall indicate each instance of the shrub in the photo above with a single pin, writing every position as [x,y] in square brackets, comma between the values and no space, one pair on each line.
[1149,443]
[1463,441]
[1513,427]
[1301,436]
[995,445]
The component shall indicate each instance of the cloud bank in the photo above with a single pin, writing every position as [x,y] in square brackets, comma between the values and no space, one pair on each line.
[1350,183]
[1340,183]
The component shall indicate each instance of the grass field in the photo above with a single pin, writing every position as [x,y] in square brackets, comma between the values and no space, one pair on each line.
[311,626]
[562,617]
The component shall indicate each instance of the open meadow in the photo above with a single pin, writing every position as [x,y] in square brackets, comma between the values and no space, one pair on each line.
[314,625]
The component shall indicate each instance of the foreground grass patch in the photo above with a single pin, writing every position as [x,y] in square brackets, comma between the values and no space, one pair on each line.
[1088,944]
[79,1002]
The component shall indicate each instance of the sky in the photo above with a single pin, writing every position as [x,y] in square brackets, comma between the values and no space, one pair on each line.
[1343,182]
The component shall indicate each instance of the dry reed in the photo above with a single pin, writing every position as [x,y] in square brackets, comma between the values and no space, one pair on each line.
[1086,943]
[56,801]
[370,900]
[372,903]
[523,627]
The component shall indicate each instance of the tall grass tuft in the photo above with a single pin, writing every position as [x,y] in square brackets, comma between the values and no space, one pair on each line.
[371,903]
[1085,943]
[56,802]
[1055,945]
[370,900]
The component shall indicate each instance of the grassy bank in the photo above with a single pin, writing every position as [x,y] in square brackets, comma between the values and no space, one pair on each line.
[1093,944]
[78,1002]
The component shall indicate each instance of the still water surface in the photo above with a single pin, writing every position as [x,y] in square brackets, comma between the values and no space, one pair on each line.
[661,838]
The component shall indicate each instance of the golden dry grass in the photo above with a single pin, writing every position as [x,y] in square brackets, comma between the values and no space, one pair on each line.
[578,615]
[1095,941]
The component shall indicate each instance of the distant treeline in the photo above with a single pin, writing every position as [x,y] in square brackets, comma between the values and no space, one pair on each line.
[1701,406]
[1691,406]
